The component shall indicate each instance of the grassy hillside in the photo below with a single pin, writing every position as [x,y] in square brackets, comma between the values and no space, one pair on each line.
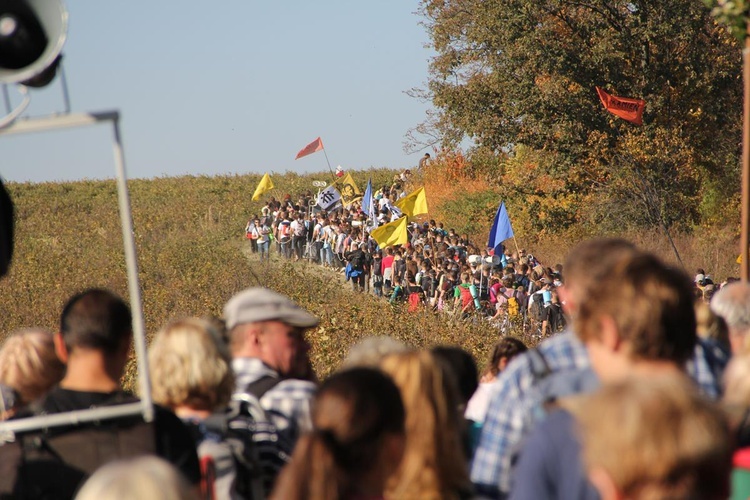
[192,256]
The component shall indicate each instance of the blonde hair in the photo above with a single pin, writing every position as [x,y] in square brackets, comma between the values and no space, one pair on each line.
[29,365]
[657,438]
[191,365]
[143,477]
[434,464]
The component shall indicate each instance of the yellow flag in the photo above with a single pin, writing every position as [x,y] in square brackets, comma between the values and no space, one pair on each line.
[393,233]
[264,185]
[349,190]
[413,203]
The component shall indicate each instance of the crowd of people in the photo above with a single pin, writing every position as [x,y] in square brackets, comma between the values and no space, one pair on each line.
[438,269]
[643,396]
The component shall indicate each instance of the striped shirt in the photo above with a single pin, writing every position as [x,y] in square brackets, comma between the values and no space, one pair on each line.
[287,403]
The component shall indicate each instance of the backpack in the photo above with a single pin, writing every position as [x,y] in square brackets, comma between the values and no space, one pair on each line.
[537,307]
[513,307]
[54,462]
[466,297]
[416,297]
[284,232]
[358,261]
[238,451]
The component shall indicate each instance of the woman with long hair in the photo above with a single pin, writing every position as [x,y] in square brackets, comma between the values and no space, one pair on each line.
[434,464]
[356,444]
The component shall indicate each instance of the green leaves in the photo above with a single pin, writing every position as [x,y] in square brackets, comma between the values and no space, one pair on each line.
[732,13]
[522,72]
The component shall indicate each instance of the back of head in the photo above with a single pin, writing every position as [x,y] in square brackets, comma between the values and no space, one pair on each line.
[732,303]
[96,319]
[191,366]
[651,306]
[590,260]
[507,348]
[353,414]
[29,365]
[434,459]
[145,477]
[371,350]
[656,438]
[461,366]
[357,406]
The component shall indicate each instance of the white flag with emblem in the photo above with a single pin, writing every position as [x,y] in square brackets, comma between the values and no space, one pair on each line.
[328,197]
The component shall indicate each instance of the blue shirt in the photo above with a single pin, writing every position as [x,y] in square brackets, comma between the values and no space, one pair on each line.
[515,396]
[550,465]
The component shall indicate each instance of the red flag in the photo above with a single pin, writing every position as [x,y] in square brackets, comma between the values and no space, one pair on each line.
[626,108]
[314,146]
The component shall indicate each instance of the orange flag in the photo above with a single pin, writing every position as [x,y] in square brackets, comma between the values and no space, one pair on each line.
[314,146]
[626,108]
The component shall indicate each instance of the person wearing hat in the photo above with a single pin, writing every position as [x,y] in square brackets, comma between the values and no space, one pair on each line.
[270,356]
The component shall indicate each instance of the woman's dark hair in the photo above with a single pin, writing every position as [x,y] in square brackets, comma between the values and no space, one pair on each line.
[352,412]
[461,366]
[508,348]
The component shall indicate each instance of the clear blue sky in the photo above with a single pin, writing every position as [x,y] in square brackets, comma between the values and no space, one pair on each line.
[230,87]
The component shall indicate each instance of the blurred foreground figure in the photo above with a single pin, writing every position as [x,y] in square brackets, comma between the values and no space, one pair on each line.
[137,479]
[356,444]
[655,438]
[29,368]
[94,344]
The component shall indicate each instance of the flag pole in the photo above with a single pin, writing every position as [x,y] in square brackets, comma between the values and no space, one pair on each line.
[329,163]
[518,252]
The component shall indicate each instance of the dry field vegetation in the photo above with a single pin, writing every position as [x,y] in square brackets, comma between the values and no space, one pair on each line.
[192,257]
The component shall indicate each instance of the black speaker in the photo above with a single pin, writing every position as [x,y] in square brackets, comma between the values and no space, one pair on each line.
[32,35]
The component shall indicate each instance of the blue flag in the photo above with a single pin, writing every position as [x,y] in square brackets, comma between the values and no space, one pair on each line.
[501,229]
[368,205]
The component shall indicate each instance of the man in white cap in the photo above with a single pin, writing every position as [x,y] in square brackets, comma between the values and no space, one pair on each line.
[270,356]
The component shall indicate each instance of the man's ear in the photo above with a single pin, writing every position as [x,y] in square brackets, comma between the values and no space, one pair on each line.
[604,484]
[60,350]
[566,299]
[610,336]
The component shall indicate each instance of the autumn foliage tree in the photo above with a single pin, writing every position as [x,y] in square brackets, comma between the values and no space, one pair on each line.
[519,76]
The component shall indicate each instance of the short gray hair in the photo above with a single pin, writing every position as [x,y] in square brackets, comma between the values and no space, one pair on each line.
[732,303]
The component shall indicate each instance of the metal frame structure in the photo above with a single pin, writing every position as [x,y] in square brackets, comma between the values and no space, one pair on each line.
[145,406]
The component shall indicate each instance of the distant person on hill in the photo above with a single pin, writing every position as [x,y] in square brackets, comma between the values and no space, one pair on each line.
[264,239]
[465,296]
[424,161]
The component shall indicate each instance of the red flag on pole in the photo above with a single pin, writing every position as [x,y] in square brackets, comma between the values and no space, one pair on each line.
[624,107]
[314,146]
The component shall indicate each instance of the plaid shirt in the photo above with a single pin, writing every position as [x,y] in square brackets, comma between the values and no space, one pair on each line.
[513,400]
[287,403]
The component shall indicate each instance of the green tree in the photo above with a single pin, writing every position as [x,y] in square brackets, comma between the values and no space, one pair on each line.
[523,72]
